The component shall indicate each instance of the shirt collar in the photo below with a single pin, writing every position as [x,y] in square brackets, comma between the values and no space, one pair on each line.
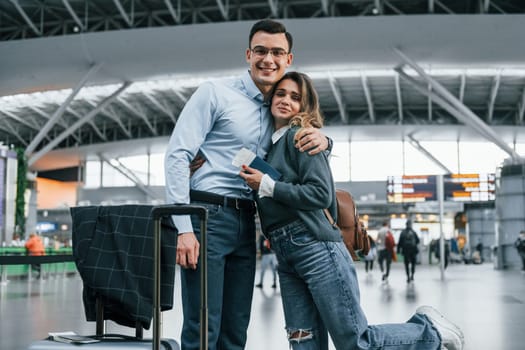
[276,136]
[251,89]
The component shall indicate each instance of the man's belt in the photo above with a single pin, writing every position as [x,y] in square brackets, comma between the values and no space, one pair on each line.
[232,202]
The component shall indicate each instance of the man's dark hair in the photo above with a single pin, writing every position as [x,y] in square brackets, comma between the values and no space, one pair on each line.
[272,27]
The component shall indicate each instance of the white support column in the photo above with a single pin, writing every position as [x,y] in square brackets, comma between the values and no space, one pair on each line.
[441,199]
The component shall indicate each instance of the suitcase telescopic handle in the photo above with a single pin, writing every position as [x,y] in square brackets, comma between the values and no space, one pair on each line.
[158,212]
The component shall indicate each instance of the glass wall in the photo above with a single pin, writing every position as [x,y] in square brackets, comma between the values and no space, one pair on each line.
[356,161]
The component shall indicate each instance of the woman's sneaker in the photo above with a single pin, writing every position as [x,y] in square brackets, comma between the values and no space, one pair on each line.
[452,337]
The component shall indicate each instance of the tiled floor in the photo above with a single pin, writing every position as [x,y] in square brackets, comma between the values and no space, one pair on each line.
[488,304]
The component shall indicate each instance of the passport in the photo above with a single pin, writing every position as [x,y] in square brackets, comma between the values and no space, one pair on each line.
[247,157]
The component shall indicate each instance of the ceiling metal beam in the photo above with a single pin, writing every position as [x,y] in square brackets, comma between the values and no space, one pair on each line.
[123,12]
[73,14]
[274,7]
[142,116]
[493,94]
[444,7]
[14,132]
[324,7]
[58,113]
[93,125]
[175,14]
[378,6]
[392,7]
[415,143]
[521,107]
[34,157]
[430,6]
[26,17]
[429,103]
[472,119]
[179,94]
[40,112]
[462,86]
[160,106]
[224,8]
[399,99]
[497,8]
[20,120]
[338,98]
[486,6]
[423,89]
[368,96]
[128,173]
[110,112]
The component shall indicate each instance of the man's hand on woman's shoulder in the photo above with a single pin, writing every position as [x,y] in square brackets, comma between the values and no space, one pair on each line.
[311,140]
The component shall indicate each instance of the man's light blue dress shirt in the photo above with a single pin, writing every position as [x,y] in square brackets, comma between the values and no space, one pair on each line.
[219,119]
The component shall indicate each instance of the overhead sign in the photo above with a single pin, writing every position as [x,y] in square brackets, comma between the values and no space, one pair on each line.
[469,187]
[411,188]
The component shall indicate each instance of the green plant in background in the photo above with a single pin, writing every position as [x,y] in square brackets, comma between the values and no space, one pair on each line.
[21,182]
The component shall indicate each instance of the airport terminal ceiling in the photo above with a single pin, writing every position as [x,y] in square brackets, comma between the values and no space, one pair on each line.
[132,65]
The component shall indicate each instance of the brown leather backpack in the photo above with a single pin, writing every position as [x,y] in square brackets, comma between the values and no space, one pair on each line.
[354,233]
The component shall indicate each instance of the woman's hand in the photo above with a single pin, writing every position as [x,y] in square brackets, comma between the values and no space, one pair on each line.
[252,177]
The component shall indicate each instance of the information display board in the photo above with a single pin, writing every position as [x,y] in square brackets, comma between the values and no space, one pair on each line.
[411,188]
[469,187]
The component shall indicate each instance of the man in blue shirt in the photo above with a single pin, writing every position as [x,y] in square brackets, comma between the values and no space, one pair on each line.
[220,118]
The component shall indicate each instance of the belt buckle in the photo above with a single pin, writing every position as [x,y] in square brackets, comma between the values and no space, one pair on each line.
[237,204]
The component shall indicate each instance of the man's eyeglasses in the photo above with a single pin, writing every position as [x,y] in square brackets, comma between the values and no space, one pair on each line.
[261,51]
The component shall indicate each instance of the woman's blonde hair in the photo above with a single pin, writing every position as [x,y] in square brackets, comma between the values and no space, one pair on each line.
[310,114]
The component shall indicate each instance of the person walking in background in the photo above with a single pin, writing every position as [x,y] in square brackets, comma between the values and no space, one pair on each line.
[520,247]
[16,241]
[408,246]
[220,118]
[371,256]
[35,247]
[317,276]
[268,260]
[385,249]
[479,251]
[437,251]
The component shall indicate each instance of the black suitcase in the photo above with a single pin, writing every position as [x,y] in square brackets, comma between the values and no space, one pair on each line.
[115,341]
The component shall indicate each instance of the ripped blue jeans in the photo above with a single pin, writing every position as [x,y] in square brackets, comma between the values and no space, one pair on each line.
[320,293]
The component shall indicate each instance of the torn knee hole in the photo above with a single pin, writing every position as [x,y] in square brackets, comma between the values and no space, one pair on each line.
[300,335]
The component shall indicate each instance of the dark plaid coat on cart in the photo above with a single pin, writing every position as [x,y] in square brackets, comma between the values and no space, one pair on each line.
[113,249]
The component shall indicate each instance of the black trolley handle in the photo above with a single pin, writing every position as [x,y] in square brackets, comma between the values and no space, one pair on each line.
[180,209]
